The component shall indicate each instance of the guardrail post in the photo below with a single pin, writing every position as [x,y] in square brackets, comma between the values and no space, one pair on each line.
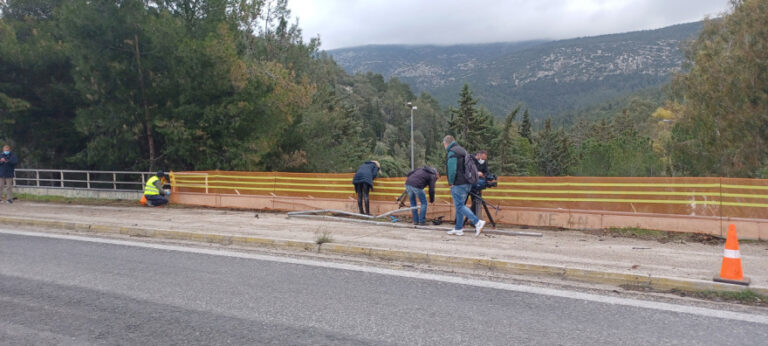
[114,181]
[88,180]
[61,178]
[37,177]
[142,181]
[206,184]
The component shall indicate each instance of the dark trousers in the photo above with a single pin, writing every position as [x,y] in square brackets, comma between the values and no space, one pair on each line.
[476,204]
[156,200]
[362,190]
[477,189]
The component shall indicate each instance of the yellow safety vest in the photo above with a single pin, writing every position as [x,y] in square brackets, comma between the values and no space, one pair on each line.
[150,189]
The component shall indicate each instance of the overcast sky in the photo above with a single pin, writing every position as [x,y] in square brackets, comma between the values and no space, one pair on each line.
[346,23]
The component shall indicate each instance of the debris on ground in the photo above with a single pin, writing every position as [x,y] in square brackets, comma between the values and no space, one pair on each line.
[660,236]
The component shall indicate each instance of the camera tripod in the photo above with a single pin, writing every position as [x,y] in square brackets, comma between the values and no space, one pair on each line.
[475,196]
[401,202]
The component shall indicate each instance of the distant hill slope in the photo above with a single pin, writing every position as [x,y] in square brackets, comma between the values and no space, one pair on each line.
[550,77]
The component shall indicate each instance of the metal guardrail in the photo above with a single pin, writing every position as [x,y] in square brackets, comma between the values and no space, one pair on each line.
[79,179]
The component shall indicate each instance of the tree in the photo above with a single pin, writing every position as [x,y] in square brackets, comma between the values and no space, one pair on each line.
[512,151]
[624,156]
[197,84]
[525,126]
[109,44]
[553,156]
[142,69]
[469,124]
[37,95]
[722,130]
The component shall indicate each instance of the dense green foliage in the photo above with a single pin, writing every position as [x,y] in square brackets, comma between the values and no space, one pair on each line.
[722,126]
[191,84]
[230,84]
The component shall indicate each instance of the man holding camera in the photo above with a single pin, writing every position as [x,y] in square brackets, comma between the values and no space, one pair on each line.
[486,179]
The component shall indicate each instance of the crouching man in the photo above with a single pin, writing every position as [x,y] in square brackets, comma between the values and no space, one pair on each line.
[417,180]
[153,191]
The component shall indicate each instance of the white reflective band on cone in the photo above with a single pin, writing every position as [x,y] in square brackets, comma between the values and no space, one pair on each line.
[731,254]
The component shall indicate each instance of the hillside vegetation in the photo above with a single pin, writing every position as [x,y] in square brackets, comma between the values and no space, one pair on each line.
[231,85]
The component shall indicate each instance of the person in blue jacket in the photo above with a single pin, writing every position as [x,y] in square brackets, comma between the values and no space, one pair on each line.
[8,161]
[363,181]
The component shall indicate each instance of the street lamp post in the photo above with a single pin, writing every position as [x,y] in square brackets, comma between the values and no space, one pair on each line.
[413,108]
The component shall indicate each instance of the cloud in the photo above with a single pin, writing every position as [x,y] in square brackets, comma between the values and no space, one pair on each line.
[344,23]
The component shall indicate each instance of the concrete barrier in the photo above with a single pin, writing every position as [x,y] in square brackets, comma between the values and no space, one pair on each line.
[78,193]
[754,229]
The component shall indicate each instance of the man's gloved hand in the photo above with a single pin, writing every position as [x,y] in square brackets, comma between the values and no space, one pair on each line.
[167,192]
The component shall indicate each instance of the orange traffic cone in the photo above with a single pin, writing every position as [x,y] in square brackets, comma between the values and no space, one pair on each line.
[143,200]
[730,272]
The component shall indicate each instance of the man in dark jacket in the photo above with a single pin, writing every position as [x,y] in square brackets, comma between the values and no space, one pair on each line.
[417,180]
[363,181]
[8,161]
[481,162]
[460,187]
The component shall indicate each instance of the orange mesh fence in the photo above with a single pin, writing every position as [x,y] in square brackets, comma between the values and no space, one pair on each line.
[720,197]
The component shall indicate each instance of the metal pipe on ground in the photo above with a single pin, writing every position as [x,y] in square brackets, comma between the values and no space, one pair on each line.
[396,211]
[392,224]
[323,211]
[334,211]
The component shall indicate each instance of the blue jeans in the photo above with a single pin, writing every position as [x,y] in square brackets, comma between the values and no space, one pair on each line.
[414,192]
[157,200]
[459,194]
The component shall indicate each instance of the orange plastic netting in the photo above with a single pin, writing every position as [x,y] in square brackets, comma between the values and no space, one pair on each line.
[721,197]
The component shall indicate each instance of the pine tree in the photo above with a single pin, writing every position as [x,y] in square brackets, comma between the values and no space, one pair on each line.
[510,158]
[525,127]
[553,156]
[469,124]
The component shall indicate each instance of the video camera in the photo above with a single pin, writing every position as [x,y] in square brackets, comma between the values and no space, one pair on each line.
[491,181]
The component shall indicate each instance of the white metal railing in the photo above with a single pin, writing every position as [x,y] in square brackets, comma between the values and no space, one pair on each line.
[79,179]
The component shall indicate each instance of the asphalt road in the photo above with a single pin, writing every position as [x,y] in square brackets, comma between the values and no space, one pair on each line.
[64,291]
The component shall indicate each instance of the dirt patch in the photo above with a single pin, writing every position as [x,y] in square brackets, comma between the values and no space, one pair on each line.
[660,236]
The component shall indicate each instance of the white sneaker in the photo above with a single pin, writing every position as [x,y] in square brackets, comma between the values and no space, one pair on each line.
[456,232]
[479,227]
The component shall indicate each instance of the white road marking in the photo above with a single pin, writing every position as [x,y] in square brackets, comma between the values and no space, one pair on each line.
[705,312]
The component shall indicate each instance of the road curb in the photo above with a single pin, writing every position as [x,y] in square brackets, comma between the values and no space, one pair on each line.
[582,275]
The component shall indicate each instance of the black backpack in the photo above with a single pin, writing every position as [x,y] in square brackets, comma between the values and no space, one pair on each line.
[470,169]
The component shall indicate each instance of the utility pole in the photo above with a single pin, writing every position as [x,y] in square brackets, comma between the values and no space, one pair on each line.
[413,108]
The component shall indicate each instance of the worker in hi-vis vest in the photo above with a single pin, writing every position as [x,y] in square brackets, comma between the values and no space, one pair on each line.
[153,190]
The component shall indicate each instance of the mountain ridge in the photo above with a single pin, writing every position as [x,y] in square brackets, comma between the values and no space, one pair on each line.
[549,77]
